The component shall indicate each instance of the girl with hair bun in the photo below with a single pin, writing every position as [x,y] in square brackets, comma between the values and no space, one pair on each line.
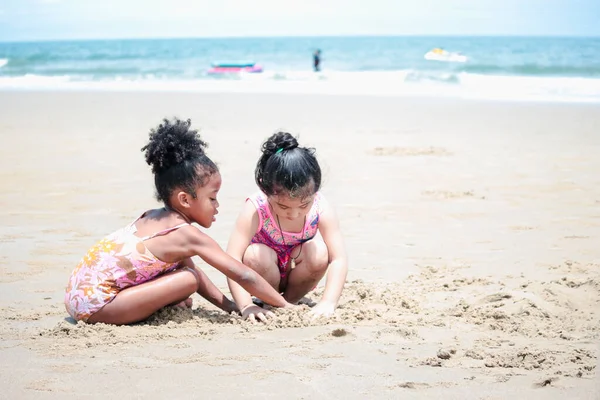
[135,271]
[288,232]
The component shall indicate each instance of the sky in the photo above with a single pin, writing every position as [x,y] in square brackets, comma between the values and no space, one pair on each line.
[25,20]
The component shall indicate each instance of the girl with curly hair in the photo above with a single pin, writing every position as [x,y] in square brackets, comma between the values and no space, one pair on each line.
[135,271]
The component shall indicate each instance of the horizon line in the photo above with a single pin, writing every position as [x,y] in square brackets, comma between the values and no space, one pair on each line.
[132,38]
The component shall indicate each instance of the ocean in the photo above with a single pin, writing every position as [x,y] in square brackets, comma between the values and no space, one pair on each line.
[496,68]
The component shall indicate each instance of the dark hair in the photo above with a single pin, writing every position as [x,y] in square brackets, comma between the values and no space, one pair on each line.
[285,167]
[176,154]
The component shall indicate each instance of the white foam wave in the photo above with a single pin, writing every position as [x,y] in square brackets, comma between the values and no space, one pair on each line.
[3,62]
[34,82]
[379,83]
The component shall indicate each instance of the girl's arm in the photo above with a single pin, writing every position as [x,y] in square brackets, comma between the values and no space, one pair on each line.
[338,268]
[204,246]
[208,290]
[243,232]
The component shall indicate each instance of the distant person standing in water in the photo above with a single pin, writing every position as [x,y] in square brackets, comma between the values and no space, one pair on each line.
[317,60]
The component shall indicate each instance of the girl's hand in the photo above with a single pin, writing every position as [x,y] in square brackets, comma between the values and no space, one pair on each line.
[229,306]
[323,309]
[253,312]
[290,306]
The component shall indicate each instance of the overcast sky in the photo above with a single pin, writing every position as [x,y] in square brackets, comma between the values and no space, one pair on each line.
[94,19]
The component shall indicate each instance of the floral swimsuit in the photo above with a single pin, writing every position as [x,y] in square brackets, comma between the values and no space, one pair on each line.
[117,262]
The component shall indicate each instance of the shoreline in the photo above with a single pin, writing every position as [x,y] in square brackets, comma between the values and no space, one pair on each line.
[354,96]
[473,90]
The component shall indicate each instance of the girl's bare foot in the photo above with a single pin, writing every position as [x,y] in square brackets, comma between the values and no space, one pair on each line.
[187,303]
[308,301]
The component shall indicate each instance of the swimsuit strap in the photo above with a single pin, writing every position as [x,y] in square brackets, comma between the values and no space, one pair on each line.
[132,224]
[164,231]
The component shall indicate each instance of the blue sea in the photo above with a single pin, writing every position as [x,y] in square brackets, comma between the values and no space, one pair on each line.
[500,68]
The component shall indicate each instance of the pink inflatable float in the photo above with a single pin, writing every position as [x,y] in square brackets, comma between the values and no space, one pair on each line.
[234,68]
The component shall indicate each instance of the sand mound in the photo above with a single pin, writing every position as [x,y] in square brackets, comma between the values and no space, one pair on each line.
[515,314]
[362,304]
[410,151]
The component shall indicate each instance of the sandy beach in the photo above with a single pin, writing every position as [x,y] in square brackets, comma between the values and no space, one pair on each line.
[472,230]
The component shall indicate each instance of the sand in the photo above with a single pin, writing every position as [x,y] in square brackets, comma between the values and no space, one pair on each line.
[472,230]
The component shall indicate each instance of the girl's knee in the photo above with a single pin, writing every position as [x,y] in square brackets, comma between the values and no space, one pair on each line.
[317,258]
[318,265]
[192,280]
[258,257]
[263,260]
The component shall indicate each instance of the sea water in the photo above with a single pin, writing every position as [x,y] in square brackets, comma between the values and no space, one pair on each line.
[502,68]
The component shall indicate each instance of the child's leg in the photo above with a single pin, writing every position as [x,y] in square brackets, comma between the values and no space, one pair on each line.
[208,290]
[137,303]
[187,303]
[311,265]
[263,260]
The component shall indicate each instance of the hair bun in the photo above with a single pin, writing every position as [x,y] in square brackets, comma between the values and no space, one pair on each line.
[282,169]
[171,143]
[279,141]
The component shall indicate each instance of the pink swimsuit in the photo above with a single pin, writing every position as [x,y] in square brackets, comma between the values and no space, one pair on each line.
[269,234]
[118,261]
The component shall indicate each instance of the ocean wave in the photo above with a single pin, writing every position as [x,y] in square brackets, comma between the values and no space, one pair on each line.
[44,58]
[3,62]
[589,70]
[433,76]
[388,83]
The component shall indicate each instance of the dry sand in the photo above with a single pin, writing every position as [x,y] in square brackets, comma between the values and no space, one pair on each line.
[472,230]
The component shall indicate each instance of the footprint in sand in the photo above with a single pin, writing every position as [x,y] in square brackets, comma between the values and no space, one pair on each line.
[521,227]
[446,194]
[409,151]
[411,385]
